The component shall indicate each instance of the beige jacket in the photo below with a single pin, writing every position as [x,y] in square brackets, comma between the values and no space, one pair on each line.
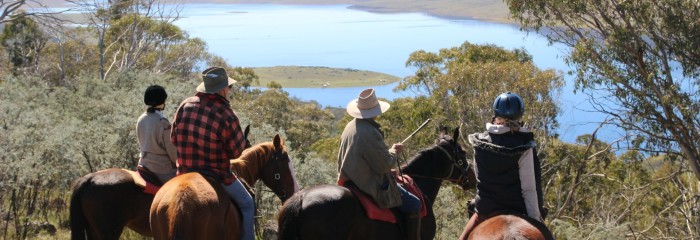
[365,159]
[157,152]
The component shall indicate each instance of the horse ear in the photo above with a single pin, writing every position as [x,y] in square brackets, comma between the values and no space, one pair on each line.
[246,131]
[443,130]
[277,142]
[455,135]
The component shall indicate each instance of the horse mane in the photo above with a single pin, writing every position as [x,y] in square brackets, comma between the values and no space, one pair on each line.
[427,152]
[253,156]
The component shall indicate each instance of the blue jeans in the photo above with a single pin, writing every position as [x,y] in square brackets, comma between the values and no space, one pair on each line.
[411,203]
[242,198]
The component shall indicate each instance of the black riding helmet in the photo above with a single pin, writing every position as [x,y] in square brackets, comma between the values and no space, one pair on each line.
[155,95]
[508,105]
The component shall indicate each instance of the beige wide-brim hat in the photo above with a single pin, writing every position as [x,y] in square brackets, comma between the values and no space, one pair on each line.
[214,79]
[367,105]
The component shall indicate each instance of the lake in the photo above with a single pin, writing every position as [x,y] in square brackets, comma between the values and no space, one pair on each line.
[265,35]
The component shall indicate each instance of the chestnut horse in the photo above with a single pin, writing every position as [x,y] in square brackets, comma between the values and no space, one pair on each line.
[191,206]
[332,212]
[509,226]
[106,201]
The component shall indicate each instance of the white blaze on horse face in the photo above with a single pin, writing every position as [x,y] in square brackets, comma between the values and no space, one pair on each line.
[294,176]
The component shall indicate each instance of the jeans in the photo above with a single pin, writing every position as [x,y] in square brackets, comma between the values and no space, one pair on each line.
[242,198]
[411,203]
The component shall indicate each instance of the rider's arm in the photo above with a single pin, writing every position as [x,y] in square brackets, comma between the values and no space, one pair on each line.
[378,156]
[528,184]
[168,145]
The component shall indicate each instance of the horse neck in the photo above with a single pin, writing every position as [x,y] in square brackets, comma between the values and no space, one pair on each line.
[250,164]
[428,181]
[429,187]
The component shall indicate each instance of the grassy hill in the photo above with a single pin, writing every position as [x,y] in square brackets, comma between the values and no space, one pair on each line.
[309,77]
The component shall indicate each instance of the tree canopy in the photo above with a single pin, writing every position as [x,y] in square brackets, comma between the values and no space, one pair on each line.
[637,60]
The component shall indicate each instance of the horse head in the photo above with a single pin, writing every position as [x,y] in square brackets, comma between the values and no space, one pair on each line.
[461,172]
[447,161]
[270,162]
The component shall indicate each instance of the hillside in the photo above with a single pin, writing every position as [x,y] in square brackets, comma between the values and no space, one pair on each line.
[301,76]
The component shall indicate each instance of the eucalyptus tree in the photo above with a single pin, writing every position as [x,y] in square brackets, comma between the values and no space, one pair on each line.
[461,82]
[23,41]
[129,30]
[23,8]
[639,62]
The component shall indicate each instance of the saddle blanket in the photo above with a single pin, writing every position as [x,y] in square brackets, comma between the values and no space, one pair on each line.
[385,214]
[147,187]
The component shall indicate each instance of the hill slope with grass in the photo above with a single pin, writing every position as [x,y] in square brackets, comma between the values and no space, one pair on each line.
[313,77]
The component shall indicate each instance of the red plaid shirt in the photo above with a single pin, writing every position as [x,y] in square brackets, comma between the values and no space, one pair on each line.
[207,135]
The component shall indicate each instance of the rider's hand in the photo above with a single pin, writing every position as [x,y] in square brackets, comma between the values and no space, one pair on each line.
[398,147]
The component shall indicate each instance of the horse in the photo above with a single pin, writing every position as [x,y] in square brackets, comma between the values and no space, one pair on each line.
[191,206]
[333,212]
[106,201]
[510,226]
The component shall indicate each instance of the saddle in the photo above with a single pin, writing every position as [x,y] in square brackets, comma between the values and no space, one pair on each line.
[373,210]
[146,180]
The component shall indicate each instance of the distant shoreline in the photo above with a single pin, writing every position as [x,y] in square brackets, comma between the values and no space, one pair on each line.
[494,11]
[321,77]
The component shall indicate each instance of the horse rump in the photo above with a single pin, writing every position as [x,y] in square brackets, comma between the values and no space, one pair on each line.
[330,206]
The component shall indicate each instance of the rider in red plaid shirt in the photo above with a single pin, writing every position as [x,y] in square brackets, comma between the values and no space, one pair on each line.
[207,134]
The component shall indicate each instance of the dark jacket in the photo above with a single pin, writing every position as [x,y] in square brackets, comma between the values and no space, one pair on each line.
[508,170]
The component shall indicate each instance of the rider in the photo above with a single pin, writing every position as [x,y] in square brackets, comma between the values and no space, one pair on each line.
[507,166]
[157,154]
[365,161]
[207,134]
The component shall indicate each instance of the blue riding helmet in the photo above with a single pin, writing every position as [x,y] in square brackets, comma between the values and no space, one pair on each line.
[508,105]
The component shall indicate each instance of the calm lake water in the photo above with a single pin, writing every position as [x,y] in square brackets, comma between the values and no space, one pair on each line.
[263,35]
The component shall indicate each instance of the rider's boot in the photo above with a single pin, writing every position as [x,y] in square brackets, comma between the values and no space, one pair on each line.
[413,226]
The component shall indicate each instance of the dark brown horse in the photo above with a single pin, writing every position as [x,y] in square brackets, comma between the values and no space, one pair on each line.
[332,212]
[190,206]
[507,226]
[106,201]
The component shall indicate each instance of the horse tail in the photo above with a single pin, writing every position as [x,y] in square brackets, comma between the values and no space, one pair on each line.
[78,223]
[287,220]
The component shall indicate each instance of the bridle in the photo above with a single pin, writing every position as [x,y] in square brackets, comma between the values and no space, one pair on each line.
[462,180]
[458,163]
[274,161]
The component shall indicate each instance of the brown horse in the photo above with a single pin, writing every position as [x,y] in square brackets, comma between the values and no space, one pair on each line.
[190,206]
[106,201]
[332,212]
[508,226]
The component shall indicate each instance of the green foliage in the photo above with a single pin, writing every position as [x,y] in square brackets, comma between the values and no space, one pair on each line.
[309,125]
